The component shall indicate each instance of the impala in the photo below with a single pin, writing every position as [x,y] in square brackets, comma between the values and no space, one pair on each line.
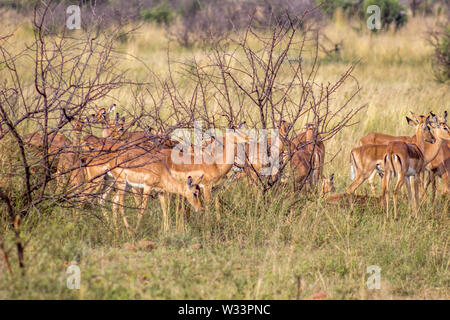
[69,164]
[310,141]
[366,161]
[344,199]
[122,130]
[214,165]
[255,156]
[307,157]
[440,166]
[407,161]
[150,172]
[381,138]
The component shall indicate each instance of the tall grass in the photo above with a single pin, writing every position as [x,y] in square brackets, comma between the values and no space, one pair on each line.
[258,246]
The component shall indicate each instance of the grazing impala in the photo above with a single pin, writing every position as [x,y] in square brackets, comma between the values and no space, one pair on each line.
[149,172]
[407,161]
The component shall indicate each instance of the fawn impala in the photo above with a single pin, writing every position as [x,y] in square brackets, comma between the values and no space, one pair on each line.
[344,199]
[407,161]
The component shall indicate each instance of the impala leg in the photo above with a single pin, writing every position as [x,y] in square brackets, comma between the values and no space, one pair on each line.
[411,194]
[360,178]
[427,182]
[119,201]
[417,184]
[372,182]
[408,187]
[398,187]
[207,194]
[432,178]
[138,195]
[422,188]
[179,215]
[385,190]
[145,195]
[445,183]
[165,219]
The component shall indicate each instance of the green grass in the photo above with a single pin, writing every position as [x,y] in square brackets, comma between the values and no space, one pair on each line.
[261,246]
[255,251]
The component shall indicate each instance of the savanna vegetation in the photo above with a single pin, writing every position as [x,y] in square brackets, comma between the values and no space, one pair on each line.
[257,239]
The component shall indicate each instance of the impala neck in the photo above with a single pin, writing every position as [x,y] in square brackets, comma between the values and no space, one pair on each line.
[420,139]
[309,136]
[431,150]
[225,157]
[172,185]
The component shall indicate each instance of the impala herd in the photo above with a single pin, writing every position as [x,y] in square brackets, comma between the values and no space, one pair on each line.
[143,161]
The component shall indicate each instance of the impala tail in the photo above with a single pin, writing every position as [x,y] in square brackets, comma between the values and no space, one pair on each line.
[352,166]
[388,165]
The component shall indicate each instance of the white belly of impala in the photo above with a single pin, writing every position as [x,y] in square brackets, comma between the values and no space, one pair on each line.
[411,172]
[136,185]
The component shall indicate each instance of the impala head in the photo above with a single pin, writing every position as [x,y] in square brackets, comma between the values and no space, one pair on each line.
[236,135]
[103,113]
[193,193]
[422,125]
[284,128]
[328,185]
[77,126]
[439,126]
[420,118]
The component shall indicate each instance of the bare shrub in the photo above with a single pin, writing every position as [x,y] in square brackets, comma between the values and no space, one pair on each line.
[267,74]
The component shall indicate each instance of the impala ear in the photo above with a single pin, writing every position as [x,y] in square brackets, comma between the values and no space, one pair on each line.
[189,182]
[242,125]
[332,177]
[200,179]
[411,122]
[103,113]
[116,121]
[445,116]
[122,120]
[111,108]
[435,120]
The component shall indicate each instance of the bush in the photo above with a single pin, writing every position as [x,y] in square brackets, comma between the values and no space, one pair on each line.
[161,13]
[351,7]
[391,12]
[440,40]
